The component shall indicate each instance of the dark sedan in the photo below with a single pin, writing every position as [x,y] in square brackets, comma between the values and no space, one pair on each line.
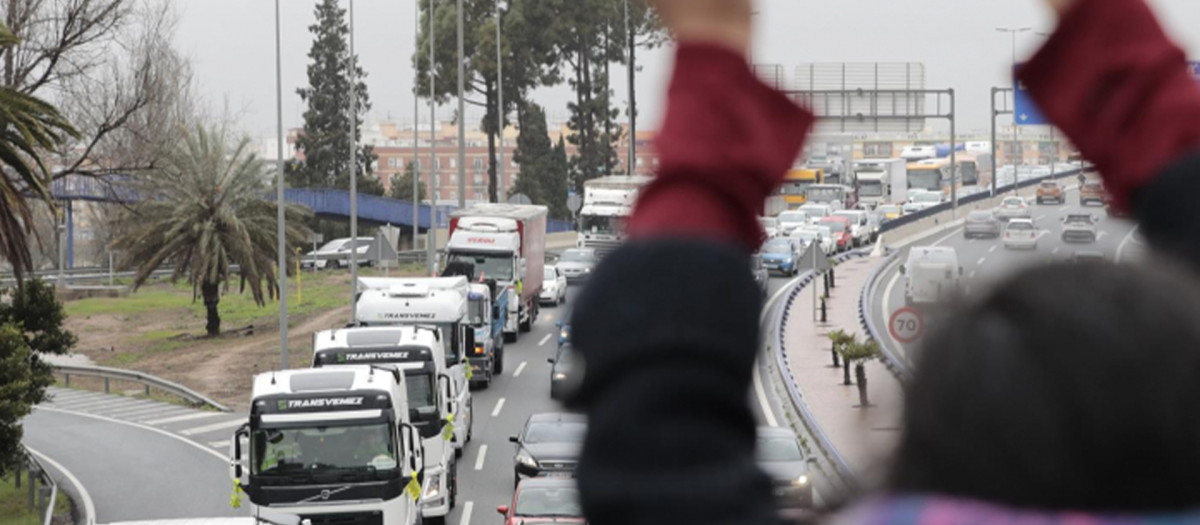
[565,372]
[548,446]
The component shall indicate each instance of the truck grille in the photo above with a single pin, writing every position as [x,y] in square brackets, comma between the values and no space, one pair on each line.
[349,518]
[603,247]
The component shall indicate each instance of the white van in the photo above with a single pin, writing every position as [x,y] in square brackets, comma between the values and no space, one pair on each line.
[933,275]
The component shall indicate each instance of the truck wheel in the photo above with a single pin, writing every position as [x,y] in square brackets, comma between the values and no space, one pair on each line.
[510,338]
[454,486]
[498,364]
[526,326]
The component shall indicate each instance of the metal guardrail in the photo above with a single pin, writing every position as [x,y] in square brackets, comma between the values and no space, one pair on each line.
[849,482]
[897,365]
[147,380]
[42,498]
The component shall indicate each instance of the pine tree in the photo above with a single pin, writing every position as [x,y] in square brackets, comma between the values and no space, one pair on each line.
[402,185]
[325,142]
[543,165]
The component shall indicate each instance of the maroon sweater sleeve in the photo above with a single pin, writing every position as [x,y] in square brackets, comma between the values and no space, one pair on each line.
[725,145]
[1119,88]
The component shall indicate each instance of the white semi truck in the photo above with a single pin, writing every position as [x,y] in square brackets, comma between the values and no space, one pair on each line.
[416,351]
[882,180]
[440,303]
[331,446]
[607,204]
[506,243]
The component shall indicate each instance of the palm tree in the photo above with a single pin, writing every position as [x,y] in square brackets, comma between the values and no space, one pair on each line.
[206,209]
[29,128]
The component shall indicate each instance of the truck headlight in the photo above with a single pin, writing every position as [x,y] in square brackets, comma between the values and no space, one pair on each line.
[433,487]
[525,459]
[560,376]
[800,481]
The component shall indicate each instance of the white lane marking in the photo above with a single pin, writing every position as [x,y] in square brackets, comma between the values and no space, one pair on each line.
[544,339]
[213,427]
[887,301]
[157,411]
[141,405]
[992,249]
[520,368]
[481,457]
[1055,250]
[466,513]
[94,404]
[981,261]
[1125,242]
[972,276]
[220,445]
[499,407]
[1039,217]
[177,437]
[1101,234]
[759,391]
[89,507]
[189,417]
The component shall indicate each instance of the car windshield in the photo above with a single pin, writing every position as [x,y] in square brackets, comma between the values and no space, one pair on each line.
[1013,202]
[793,216]
[805,236]
[815,211]
[546,502]
[332,245]
[323,450]
[556,432]
[889,209]
[548,273]
[1050,185]
[778,449]
[767,222]
[979,216]
[580,256]
[1076,219]
[1093,186]
[835,226]
[854,217]
[496,266]
[778,246]
[1020,226]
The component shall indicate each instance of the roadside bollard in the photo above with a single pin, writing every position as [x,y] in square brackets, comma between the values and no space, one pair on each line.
[832,279]
[824,312]
[826,283]
[833,351]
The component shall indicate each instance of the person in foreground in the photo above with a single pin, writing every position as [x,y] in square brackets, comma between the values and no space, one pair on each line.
[1064,396]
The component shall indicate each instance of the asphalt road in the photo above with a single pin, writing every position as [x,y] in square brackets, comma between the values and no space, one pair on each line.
[986,262]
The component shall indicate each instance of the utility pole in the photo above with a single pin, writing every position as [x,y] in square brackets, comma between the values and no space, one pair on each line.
[353,173]
[462,117]
[281,246]
[416,194]
[500,107]
[431,242]
[632,95]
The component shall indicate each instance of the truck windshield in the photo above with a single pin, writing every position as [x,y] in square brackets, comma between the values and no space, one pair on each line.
[826,194]
[604,225]
[870,188]
[498,266]
[477,312]
[318,450]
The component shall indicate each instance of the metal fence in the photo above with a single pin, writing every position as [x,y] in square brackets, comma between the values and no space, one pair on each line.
[40,487]
[147,381]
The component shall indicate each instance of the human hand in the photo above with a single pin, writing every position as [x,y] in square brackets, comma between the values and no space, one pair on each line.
[723,22]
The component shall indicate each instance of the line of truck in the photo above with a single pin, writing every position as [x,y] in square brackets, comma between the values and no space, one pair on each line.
[372,433]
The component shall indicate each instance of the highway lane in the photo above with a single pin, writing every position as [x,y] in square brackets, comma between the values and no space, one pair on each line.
[132,472]
[986,262]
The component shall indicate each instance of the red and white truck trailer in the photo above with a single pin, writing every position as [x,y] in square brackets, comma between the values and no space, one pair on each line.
[505,242]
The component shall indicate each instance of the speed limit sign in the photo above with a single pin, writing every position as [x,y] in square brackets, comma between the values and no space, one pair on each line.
[906,325]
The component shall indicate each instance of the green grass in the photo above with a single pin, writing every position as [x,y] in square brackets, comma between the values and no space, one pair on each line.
[13,504]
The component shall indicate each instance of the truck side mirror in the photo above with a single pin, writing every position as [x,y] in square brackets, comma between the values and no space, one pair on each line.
[502,509]
[235,451]
[447,389]
[903,270]
[468,337]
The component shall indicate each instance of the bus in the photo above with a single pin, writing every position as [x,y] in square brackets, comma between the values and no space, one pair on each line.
[796,183]
[840,197]
[934,174]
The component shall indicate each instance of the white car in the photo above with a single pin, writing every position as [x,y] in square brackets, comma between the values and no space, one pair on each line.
[336,253]
[921,201]
[770,226]
[933,275]
[815,212]
[790,220]
[823,234]
[1021,233]
[554,286]
[1014,208]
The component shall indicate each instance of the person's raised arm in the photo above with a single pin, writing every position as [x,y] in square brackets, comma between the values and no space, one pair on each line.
[1120,89]
[668,325]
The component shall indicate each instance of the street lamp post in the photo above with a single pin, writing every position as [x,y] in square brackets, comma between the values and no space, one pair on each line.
[462,117]
[353,173]
[500,106]
[632,96]
[1014,31]
[281,245]
[431,239]
[416,189]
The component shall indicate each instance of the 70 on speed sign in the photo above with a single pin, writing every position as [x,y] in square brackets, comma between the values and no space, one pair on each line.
[906,325]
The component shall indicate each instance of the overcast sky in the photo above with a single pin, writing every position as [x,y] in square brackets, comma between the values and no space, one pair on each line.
[232,45]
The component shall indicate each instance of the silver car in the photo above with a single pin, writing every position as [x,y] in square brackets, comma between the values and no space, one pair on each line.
[577,264]
[982,224]
[1079,227]
[1014,208]
[780,456]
